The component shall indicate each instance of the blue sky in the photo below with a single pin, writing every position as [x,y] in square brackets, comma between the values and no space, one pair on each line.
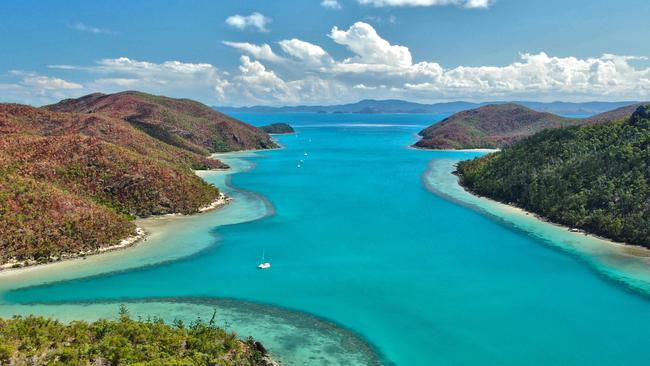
[312,52]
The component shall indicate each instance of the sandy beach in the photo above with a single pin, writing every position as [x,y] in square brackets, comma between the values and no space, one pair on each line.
[623,262]
[164,238]
[139,237]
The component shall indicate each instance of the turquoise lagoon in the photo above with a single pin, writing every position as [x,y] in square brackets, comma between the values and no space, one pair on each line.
[377,259]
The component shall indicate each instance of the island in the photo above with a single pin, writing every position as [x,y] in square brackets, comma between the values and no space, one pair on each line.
[75,174]
[594,178]
[499,125]
[278,129]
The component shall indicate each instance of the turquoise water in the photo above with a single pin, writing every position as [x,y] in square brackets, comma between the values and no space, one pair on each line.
[382,265]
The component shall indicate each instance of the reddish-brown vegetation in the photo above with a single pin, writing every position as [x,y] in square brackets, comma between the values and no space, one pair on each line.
[180,122]
[500,125]
[40,221]
[73,174]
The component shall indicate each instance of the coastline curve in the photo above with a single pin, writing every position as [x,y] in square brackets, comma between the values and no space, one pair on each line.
[622,264]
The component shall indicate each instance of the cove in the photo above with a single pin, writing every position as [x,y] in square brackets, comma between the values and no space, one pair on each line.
[361,246]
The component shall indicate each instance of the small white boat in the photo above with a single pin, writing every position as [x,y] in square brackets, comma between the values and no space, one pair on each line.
[263,264]
[298,166]
[306,154]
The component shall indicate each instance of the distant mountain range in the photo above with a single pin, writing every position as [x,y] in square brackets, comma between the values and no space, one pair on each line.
[370,106]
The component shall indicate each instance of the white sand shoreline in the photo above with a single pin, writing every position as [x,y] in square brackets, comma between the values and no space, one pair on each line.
[413,147]
[139,237]
[160,244]
[16,265]
[623,262]
[632,249]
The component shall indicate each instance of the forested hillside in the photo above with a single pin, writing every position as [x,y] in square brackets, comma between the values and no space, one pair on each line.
[594,177]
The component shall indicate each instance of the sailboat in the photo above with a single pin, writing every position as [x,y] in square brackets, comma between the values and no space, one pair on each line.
[263,264]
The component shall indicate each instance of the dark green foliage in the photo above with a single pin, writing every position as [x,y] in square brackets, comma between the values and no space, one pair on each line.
[37,340]
[593,177]
[278,128]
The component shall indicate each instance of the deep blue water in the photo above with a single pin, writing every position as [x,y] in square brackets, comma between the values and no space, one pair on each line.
[356,238]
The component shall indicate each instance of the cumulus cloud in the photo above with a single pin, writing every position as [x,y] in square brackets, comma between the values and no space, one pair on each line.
[305,51]
[48,83]
[255,20]
[298,72]
[152,69]
[257,80]
[470,4]
[262,52]
[201,81]
[255,84]
[331,4]
[380,69]
[540,74]
[362,39]
[32,88]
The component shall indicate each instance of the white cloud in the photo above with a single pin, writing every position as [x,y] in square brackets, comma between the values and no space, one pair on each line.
[255,84]
[89,28]
[364,87]
[48,83]
[173,78]
[362,39]
[255,80]
[303,72]
[470,4]
[305,51]
[331,4]
[541,76]
[200,81]
[262,52]
[380,69]
[255,20]
[36,89]
[158,73]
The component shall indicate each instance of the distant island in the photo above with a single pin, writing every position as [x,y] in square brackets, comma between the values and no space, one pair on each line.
[499,125]
[592,177]
[278,128]
[371,106]
[73,175]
